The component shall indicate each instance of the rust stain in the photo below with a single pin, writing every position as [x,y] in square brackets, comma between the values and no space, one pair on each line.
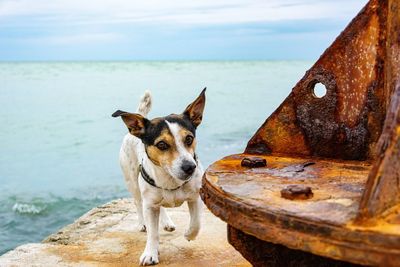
[121,248]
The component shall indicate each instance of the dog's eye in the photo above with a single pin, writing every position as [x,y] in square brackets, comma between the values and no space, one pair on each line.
[162,145]
[189,140]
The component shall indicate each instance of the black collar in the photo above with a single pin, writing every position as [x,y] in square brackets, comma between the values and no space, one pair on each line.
[151,181]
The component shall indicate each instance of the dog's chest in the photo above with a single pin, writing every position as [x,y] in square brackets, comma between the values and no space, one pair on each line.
[172,199]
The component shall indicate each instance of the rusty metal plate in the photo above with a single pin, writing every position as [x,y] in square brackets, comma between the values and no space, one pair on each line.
[347,122]
[337,185]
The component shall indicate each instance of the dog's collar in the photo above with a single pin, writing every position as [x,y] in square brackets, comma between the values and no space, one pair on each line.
[151,181]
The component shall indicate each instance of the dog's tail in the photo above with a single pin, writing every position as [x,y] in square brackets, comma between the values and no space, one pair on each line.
[144,104]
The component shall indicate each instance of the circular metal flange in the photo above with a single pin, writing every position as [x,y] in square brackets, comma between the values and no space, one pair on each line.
[250,200]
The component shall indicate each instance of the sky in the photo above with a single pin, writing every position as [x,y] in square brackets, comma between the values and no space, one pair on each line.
[47,30]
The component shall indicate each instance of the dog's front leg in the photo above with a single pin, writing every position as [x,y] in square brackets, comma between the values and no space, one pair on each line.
[194,226]
[151,217]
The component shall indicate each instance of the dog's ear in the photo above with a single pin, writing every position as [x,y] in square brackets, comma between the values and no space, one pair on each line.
[195,110]
[136,123]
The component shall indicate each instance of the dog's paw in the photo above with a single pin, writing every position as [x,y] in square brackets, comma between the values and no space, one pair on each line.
[149,258]
[191,234]
[141,227]
[169,227]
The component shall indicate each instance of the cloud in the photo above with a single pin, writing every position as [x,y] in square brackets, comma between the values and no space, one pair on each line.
[77,39]
[175,12]
[174,29]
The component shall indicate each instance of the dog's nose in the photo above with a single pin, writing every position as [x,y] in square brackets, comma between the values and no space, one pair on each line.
[188,167]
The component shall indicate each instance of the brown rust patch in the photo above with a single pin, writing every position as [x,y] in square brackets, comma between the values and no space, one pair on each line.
[317,117]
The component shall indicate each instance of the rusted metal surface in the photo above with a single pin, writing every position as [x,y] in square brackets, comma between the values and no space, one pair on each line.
[331,186]
[337,185]
[250,200]
[347,121]
[383,187]
[267,254]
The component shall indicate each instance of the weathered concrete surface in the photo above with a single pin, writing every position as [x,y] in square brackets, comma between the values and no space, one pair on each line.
[107,236]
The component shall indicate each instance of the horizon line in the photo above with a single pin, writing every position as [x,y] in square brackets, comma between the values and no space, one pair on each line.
[148,60]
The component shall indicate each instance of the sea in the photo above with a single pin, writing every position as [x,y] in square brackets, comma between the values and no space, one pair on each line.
[59,144]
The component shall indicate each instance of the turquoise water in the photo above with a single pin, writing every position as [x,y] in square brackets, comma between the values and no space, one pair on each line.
[59,144]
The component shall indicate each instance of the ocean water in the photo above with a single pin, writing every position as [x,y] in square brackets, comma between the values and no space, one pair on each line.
[59,144]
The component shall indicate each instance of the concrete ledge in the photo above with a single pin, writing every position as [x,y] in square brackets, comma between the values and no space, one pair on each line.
[106,236]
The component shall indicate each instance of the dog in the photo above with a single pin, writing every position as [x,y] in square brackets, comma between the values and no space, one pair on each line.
[161,168]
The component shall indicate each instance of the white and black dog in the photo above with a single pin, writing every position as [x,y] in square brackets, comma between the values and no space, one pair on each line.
[161,168]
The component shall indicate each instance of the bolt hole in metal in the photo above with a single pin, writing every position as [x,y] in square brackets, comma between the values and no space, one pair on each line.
[319,90]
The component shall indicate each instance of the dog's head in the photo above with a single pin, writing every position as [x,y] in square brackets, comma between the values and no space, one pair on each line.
[170,141]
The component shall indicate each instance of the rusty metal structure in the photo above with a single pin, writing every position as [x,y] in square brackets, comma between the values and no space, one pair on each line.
[330,188]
